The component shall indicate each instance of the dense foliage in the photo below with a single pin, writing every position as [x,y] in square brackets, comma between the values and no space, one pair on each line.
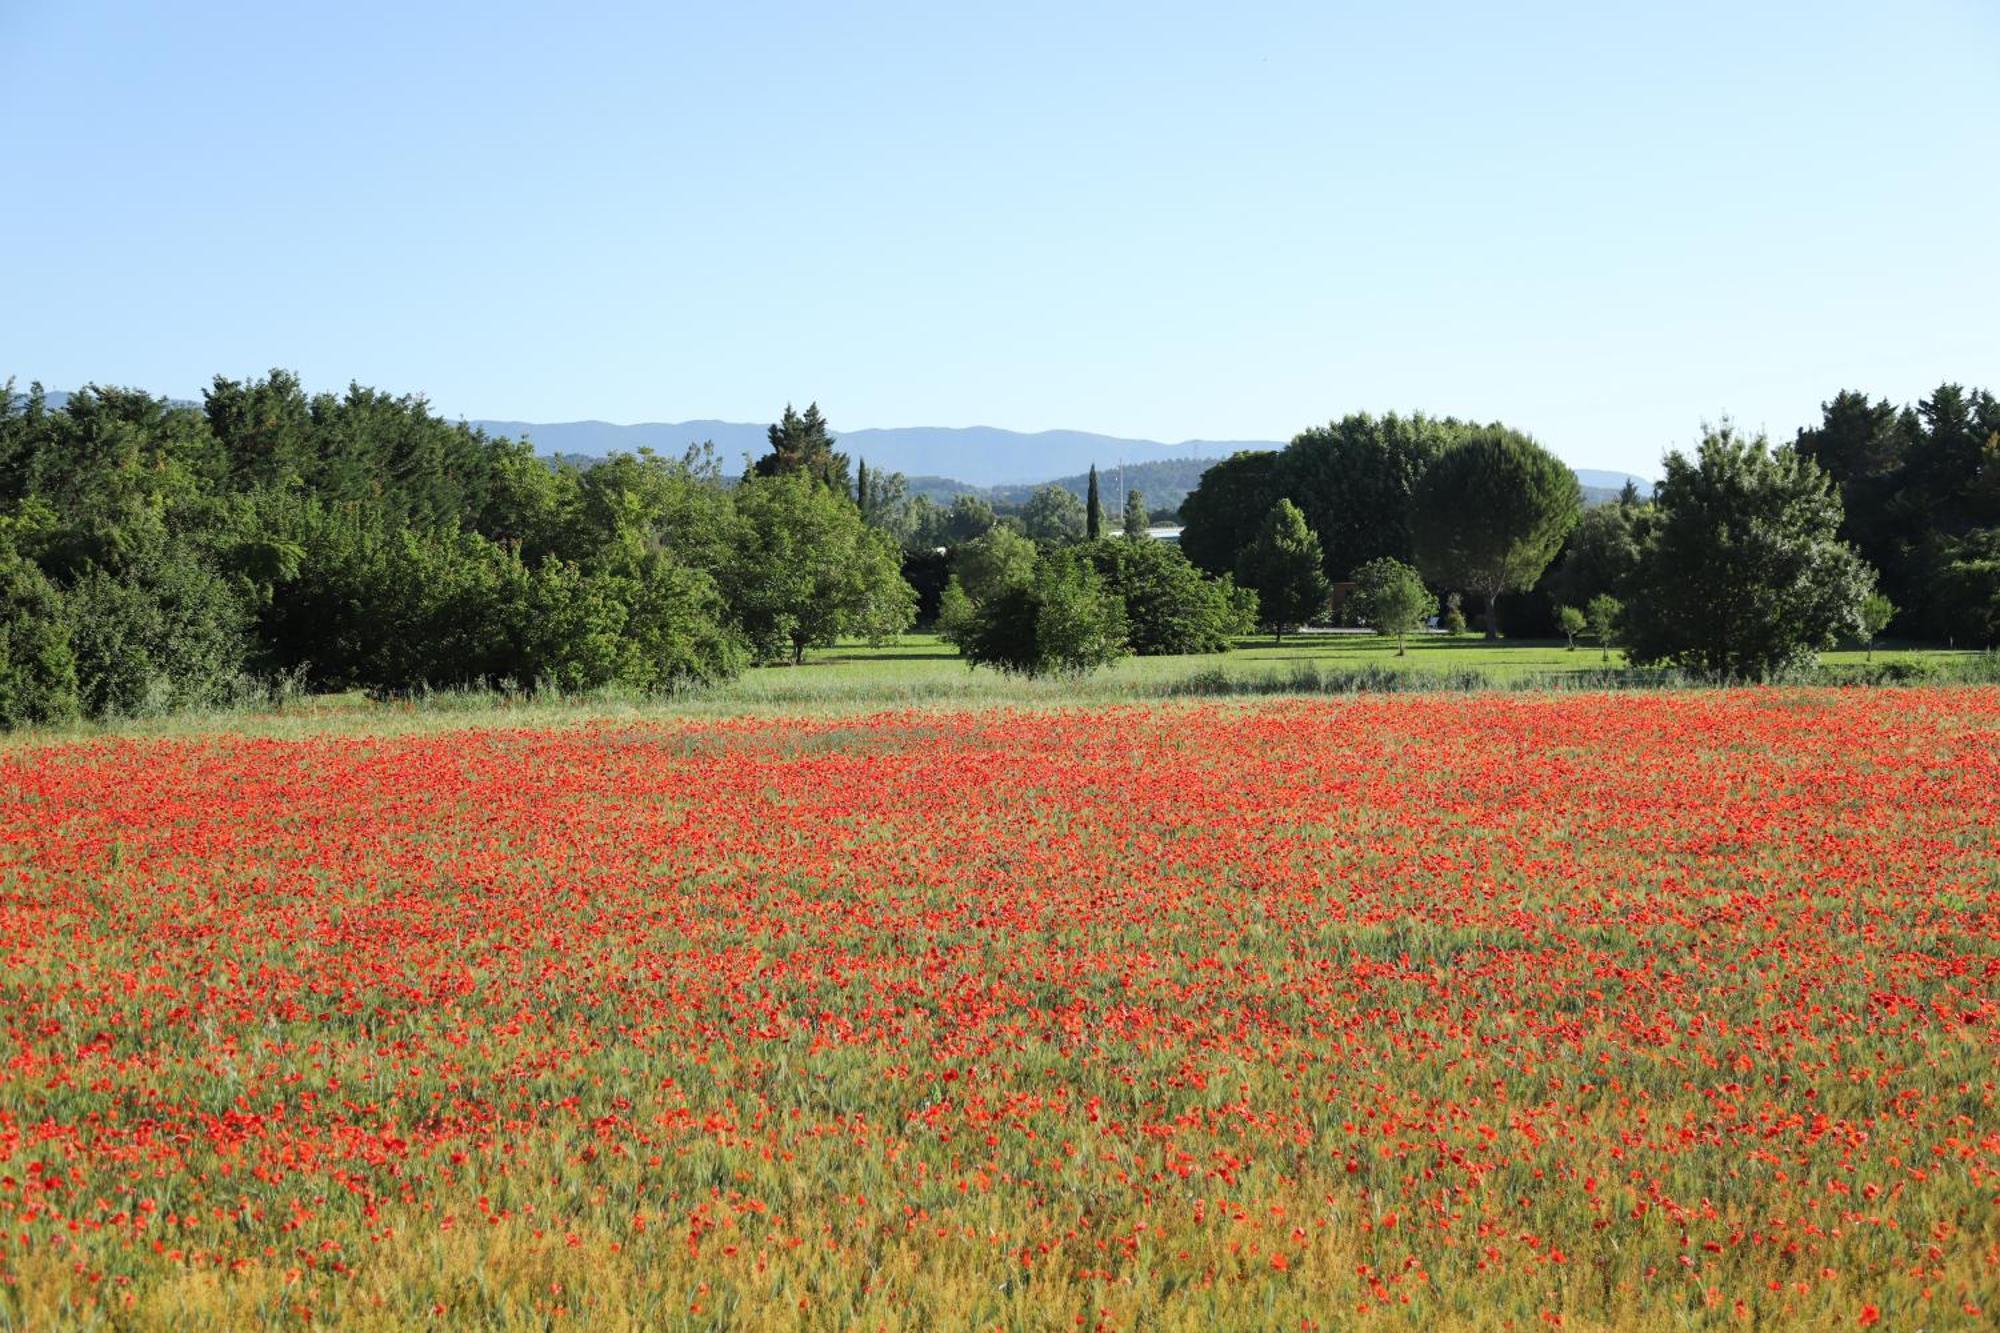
[1284,567]
[1493,521]
[1920,493]
[1064,622]
[1741,572]
[1169,606]
[161,556]
[1491,513]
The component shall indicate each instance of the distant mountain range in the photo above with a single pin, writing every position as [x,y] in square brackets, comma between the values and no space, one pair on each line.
[979,456]
[942,461]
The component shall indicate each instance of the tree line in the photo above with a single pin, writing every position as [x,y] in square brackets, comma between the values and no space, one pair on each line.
[1745,562]
[156,555]
[159,556]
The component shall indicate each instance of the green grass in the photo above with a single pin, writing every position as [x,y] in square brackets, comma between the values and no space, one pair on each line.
[921,671]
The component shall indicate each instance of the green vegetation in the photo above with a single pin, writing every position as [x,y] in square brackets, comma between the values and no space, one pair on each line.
[1391,599]
[924,671]
[1283,567]
[1491,513]
[160,557]
[1741,574]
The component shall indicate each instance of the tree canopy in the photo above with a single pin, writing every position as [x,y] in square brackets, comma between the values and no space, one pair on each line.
[1284,566]
[1742,574]
[1491,513]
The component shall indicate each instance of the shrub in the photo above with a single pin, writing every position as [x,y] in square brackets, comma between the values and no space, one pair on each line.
[1065,623]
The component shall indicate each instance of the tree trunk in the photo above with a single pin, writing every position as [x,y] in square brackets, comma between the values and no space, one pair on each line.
[1492,616]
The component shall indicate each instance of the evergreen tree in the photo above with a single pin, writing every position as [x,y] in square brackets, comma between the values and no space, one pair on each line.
[802,443]
[1094,520]
[1284,566]
[1135,514]
[1741,571]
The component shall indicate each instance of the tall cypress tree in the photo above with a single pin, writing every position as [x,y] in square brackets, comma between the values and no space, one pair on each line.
[861,487]
[1093,523]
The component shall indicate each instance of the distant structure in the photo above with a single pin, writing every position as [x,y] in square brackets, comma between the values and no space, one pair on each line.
[1166,532]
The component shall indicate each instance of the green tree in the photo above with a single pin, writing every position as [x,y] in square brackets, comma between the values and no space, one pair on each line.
[801,442]
[1453,620]
[1227,507]
[1285,567]
[267,428]
[1742,574]
[1968,587]
[957,614]
[966,518]
[1135,514]
[1876,613]
[1604,612]
[1093,509]
[989,565]
[884,498]
[1065,623]
[1491,513]
[1356,479]
[1053,514]
[1571,622]
[1391,599]
[806,570]
[1170,608]
[1599,556]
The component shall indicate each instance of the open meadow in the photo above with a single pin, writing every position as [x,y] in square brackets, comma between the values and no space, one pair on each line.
[1450,1010]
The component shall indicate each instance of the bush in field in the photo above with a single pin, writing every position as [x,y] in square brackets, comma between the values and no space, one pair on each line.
[1453,620]
[1066,622]
[1603,614]
[1391,599]
[1876,613]
[1571,622]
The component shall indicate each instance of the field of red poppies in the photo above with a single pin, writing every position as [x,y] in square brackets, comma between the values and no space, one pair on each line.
[1461,1011]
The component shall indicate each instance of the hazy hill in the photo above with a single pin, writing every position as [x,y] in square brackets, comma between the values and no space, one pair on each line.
[978,456]
[942,461]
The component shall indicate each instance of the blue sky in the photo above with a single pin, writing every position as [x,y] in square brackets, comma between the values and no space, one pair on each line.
[1603,223]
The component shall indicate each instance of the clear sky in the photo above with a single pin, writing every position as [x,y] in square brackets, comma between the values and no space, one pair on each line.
[1601,222]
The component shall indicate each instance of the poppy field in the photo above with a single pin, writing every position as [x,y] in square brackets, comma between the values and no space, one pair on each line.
[1455,1011]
